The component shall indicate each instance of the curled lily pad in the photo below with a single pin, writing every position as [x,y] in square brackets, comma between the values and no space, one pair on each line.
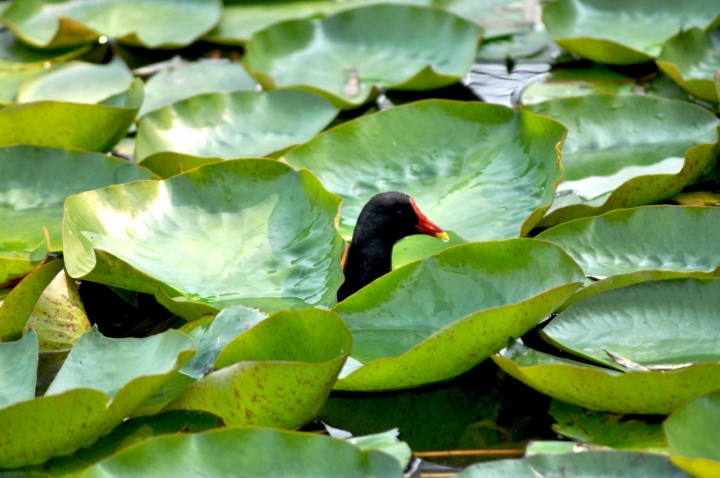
[246,452]
[432,320]
[279,373]
[58,317]
[274,243]
[233,125]
[586,464]
[14,54]
[670,322]
[691,58]
[70,125]
[99,384]
[596,388]
[346,56]
[240,20]
[18,259]
[566,82]
[36,181]
[181,80]
[617,248]
[693,437]
[53,24]
[78,82]
[18,370]
[456,159]
[624,33]
[625,151]
[167,164]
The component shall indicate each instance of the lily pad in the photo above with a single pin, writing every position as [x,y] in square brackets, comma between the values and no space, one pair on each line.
[634,31]
[18,370]
[457,160]
[693,439]
[78,82]
[244,453]
[167,164]
[233,125]
[432,320]
[497,17]
[240,20]
[14,54]
[566,82]
[586,464]
[617,248]
[625,151]
[182,80]
[279,373]
[53,24]
[20,301]
[58,317]
[670,322]
[18,259]
[70,125]
[347,56]
[10,82]
[607,429]
[100,383]
[36,181]
[274,244]
[691,58]
[595,388]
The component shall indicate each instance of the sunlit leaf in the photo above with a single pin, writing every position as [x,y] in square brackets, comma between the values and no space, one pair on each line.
[345,57]
[691,58]
[252,232]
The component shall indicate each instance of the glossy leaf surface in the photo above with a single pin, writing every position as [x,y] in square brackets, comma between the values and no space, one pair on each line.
[274,242]
[635,245]
[18,370]
[626,151]
[70,125]
[434,319]
[185,79]
[446,155]
[234,125]
[52,24]
[100,383]
[622,33]
[595,388]
[247,452]
[279,373]
[15,54]
[36,181]
[691,59]
[668,322]
[345,56]
[693,439]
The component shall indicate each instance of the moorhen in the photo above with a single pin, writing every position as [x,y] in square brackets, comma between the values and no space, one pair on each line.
[384,220]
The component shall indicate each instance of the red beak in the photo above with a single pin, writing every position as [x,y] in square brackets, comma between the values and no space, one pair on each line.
[426,226]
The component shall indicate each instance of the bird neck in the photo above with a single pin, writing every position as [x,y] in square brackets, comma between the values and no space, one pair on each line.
[368,259]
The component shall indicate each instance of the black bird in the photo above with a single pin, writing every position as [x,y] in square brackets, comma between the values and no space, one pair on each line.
[385,219]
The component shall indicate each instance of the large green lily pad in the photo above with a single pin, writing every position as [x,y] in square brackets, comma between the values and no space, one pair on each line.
[233,125]
[71,125]
[11,81]
[347,56]
[627,150]
[693,437]
[622,33]
[480,171]
[279,373]
[182,80]
[586,464]
[14,54]
[78,82]
[246,452]
[670,322]
[53,23]
[595,388]
[617,247]
[100,383]
[36,181]
[432,320]
[18,370]
[691,59]
[240,20]
[252,232]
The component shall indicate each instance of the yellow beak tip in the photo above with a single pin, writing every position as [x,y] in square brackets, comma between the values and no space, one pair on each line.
[443,236]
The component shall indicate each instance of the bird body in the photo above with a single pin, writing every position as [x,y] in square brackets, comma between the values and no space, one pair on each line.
[383,221]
